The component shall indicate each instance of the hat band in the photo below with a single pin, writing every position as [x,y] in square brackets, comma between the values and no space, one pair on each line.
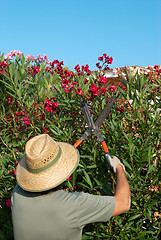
[38,170]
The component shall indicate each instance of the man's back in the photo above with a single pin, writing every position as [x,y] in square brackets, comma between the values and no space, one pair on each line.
[58,215]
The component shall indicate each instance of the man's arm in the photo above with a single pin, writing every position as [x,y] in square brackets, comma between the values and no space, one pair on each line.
[122,193]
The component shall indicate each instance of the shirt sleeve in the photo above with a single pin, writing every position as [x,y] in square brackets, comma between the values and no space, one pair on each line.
[94,208]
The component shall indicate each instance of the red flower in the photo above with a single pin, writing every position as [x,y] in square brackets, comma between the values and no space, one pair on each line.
[94,90]
[66,90]
[54,62]
[36,70]
[103,80]
[33,70]
[17,103]
[70,178]
[100,58]
[23,113]
[55,105]
[98,65]
[79,90]
[77,68]
[8,100]
[48,108]
[8,202]
[47,69]
[121,110]
[18,113]
[16,152]
[110,60]
[42,117]
[112,88]
[26,121]
[44,129]
[123,87]
[74,83]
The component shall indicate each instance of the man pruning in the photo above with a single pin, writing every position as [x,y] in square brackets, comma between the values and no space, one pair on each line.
[42,210]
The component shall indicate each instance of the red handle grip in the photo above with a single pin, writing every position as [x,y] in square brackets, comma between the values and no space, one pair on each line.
[77,143]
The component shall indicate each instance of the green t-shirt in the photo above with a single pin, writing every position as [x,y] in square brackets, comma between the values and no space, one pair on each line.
[59,215]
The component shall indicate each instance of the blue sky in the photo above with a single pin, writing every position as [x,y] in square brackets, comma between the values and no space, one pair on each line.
[78,32]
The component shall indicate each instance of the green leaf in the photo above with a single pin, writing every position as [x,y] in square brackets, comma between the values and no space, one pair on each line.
[87,178]
[134,217]
[11,69]
[127,164]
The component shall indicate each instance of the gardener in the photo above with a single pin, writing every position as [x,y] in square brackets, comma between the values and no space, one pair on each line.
[40,210]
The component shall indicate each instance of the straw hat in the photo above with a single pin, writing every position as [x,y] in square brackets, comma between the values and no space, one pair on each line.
[46,164]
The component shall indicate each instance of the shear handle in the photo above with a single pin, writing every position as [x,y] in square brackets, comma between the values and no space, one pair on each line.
[105,147]
[77,143]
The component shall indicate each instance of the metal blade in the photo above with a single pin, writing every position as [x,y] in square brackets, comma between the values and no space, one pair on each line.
[85,135]
[87,115]
[105,112]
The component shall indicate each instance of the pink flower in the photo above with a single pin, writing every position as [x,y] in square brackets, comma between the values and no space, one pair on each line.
[14,172]
[8,117]
[8,202]
[19,53]
[28,57]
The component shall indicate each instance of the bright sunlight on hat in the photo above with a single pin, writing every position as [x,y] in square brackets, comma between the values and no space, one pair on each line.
[46,164]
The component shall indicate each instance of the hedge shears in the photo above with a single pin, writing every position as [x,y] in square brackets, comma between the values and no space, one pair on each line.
[93,127]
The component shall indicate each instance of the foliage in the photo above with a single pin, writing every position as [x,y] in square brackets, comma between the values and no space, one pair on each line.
[38,96]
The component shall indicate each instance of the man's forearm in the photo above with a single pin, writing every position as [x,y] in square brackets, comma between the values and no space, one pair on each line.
[122,186]
[122,192]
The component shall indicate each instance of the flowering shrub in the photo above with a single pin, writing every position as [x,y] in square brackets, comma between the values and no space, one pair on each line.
[39,96]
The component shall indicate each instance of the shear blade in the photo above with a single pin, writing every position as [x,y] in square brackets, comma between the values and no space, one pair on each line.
[105,112]
[87,114]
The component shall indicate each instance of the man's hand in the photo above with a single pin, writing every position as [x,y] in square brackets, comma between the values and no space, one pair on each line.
[113,162]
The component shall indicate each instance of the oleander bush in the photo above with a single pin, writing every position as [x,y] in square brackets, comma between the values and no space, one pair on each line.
[38,96]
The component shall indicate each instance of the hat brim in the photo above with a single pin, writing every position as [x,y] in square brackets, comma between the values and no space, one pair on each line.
[52,177]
